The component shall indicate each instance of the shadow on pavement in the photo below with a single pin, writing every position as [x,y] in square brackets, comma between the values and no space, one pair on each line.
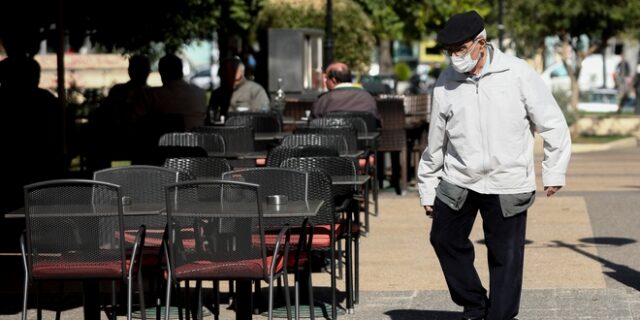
[411,314]
[620,273]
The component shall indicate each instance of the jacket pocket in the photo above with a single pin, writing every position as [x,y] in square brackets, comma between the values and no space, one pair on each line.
[451,195]
[513,204]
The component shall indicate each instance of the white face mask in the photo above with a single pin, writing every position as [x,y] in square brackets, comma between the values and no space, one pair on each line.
[465,63]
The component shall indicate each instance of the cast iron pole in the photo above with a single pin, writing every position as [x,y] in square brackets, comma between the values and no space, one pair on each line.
[328,42]
[500,24]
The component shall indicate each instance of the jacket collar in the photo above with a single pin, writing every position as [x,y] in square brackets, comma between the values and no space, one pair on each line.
[498,64]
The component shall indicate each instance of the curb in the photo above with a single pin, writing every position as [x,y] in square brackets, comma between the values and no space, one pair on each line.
[630,142]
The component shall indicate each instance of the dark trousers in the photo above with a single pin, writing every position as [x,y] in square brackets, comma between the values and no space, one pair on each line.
[504,238]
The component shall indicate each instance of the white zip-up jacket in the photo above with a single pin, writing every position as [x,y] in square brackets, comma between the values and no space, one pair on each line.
[481,133]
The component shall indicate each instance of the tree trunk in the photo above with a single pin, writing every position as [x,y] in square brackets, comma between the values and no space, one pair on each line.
[386,62]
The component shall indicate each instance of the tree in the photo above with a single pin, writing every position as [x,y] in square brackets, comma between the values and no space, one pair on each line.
[117,25]
[411,20]
[352,28]
[530,21]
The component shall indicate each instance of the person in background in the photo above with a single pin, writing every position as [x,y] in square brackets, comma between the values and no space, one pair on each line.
[236,93]
[33,144]
[343,95]
[175,97]
[622,78]
[112,122]
[636,85]
[486,107]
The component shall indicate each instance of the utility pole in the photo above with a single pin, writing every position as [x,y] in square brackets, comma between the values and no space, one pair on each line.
[500,24]
[328,31]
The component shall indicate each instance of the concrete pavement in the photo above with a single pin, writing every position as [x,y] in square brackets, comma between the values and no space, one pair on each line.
[582,257]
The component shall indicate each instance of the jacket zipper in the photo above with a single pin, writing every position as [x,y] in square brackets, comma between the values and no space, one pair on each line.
[482,135]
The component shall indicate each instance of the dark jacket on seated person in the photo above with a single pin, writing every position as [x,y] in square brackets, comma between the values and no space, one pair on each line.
[345,97]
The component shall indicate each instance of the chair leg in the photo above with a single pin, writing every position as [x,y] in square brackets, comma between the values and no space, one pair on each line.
[348,263]
[167,303]
[198,314]
[311,299]
[38,308]
[25,294]
[334,287]
[216,299]
[59,308]
[143,310]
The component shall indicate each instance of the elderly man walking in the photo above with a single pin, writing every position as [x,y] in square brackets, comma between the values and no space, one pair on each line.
[486,107]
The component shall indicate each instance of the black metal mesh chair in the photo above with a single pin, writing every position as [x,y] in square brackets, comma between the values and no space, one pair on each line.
[280,153]
[370,146]
[333,141]
[343,196]
[336,121]
[298,185]
[165,152]
[260,121]
[348,132]
[211,142]
[73,232]
[199,167]
[143,194]
[226,239]
[393,139]
[236,139]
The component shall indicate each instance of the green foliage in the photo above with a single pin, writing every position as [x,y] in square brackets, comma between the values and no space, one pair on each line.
[402,71]
[415,19]
[352,29]
[116,25]
[563,99]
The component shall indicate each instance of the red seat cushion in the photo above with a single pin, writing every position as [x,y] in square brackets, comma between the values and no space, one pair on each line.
[243,269]
[62,269]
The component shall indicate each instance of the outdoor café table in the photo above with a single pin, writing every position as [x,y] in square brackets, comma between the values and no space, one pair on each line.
[91,288]
[244,304]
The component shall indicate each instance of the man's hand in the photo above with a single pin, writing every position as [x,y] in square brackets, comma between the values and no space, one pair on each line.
[429,211]
[551,190]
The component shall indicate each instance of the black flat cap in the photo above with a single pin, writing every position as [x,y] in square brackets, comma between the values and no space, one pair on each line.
[460,28]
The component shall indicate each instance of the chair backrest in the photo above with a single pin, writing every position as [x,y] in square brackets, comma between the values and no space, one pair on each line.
[280,153]
[348,132]
[143,190]
[211,142]
[295,184]
[236,138]
[417,108]
[260,121]
[74,221]
[372,123]
[334,141]
[165,152]
[224,219]
[199,167]
[334,166]
[336,121]
[393,136]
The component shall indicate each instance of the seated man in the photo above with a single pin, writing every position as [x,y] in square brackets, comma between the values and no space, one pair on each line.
[176,96]
[342,95]
[236,93]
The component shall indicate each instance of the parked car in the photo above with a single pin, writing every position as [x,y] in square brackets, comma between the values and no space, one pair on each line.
[202,79]
[603,100]
[557,78]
